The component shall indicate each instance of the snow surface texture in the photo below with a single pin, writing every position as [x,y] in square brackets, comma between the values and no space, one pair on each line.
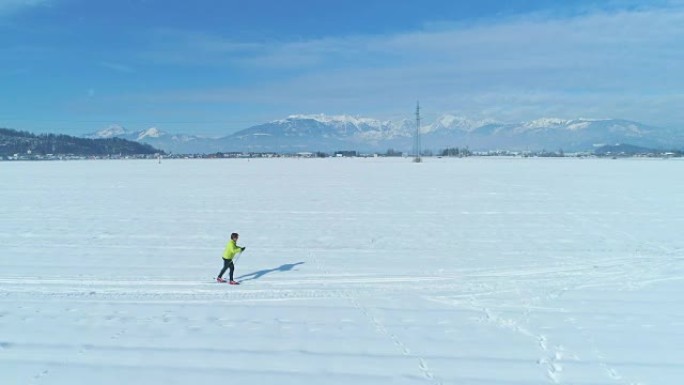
[357,271]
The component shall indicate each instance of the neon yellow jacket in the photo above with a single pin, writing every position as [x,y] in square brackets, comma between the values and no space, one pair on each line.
[231,249]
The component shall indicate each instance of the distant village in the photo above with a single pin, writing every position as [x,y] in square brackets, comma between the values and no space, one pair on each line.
[447,153]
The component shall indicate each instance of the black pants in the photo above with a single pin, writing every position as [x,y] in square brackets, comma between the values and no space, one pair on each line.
[227,263]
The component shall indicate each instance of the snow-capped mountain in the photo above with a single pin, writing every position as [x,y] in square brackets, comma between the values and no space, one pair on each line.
[150,133]
[117,131]
[175,143]
[110,132]
[454,123]
[331,133]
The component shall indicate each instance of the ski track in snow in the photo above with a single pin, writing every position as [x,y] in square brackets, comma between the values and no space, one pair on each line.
[352,296]
[605,274]
[475,290]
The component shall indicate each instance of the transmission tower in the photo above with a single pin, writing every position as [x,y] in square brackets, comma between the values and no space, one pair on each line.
[416,144]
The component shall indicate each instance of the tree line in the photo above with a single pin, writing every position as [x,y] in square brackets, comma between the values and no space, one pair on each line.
[22,142]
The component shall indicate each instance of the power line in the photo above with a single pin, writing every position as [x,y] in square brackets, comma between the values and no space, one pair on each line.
[417,145]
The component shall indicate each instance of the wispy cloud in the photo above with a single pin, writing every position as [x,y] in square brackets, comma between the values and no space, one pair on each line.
[192,48]
[117,67]
[622,64]
[11,6]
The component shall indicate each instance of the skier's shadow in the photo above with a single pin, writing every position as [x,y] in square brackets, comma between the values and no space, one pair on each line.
[261,273]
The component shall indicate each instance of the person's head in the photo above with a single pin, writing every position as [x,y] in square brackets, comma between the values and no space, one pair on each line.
[234,236]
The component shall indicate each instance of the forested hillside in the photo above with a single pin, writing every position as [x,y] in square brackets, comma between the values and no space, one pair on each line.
[21,142]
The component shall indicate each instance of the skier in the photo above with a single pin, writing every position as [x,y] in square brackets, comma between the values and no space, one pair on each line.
[228,254]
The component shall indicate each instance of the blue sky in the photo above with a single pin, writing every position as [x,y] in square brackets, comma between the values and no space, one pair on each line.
[214,67]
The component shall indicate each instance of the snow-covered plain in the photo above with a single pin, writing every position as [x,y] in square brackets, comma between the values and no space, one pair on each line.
[357,271]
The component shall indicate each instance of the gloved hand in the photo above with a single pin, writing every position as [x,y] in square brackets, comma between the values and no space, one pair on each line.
[243,248]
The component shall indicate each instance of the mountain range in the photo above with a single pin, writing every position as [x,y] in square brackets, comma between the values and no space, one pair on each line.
[299,133]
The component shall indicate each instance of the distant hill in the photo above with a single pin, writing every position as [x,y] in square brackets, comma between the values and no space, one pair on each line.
[332,133]
[629,150]
[21,142]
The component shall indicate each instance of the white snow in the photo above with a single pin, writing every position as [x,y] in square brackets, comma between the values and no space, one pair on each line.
[578,125]
[151,132]
[357,271]
[545,122]
[109,132]
[452,122]
[335,119]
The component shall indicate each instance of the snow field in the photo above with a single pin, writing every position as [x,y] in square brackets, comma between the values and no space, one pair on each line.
[365,271]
